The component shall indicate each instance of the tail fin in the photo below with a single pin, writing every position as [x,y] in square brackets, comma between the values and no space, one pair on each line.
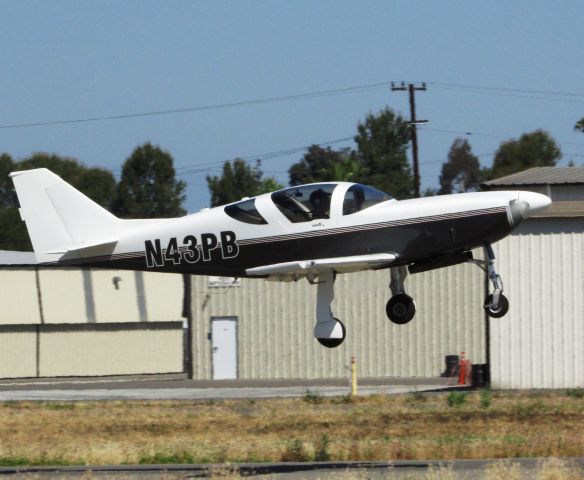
[59,218]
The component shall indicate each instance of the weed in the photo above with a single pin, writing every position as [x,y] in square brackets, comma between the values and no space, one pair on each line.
[295,452]
[485,398]
[25,461]
[575,393]
[456,399]
[416,397]
[322,454]
[313,397]
[530,410]
[59,406]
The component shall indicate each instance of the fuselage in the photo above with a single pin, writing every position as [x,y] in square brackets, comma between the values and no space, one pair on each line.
[265,230]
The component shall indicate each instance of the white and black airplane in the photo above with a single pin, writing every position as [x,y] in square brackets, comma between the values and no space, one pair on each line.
[313,231]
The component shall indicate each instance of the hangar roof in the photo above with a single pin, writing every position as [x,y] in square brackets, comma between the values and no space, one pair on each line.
[540,176]
[8,257]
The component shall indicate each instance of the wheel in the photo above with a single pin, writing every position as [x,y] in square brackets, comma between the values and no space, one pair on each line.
[400,309]
[333,342]
[498,312]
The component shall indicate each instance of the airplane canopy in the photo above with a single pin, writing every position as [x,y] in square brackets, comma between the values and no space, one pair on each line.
[309,202]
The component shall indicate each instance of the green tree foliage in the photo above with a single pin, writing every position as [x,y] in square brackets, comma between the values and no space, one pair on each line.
[348,169]
[462,171]
[96,183]
[315,166]
[580,125]
[7,192]
[148,187]
[380,159]
[239,179]
[534,149]
[382,142]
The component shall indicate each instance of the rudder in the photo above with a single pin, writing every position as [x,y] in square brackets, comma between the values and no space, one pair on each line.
[59,218]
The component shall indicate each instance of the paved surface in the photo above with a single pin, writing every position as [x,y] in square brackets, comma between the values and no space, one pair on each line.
[460,469]
[178,388]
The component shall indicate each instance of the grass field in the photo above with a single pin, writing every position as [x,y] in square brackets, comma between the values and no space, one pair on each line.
[456,425]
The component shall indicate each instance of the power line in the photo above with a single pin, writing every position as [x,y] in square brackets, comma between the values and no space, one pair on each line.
[507,89]
[462,132]
[487,135]
[548,95]
[208,166]
[478,89]
[200,108]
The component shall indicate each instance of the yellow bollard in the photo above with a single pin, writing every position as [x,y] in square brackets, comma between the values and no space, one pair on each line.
[353,376]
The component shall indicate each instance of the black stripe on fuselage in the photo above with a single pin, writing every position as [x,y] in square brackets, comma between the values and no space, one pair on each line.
[411,240]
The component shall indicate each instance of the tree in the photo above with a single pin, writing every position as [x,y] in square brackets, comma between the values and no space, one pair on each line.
[238,180]
[382,142]
[13,235]
[96,183]
[580,125]
[462,171]
[534,149]
[148,187]
[315,166]
[347,169]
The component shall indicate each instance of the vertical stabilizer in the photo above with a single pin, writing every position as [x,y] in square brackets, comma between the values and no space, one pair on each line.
[59,218]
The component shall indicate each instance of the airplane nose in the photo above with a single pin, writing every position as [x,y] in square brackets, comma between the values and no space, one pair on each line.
[531,203]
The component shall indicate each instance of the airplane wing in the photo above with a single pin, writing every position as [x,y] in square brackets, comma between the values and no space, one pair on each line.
[291,271]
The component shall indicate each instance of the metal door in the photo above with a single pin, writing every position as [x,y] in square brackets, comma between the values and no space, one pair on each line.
[224,347]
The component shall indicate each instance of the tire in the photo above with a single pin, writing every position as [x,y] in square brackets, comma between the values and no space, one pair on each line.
[333,342]
[500,311]
[400,309]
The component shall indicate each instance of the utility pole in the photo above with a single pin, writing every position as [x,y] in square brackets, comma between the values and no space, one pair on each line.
[412,88]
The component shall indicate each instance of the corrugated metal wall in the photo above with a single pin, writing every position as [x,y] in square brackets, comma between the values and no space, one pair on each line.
[540,343]
[18,351]
[18,297]
[276,321]
[64,322]
[110,350]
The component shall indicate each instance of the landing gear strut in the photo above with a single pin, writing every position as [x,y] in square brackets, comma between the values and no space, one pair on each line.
[400,308]
[496,304]
[329,331]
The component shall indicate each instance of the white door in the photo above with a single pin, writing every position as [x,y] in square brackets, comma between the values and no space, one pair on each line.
[224,347]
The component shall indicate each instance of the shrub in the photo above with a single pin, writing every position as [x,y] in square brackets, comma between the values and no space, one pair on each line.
[456,399]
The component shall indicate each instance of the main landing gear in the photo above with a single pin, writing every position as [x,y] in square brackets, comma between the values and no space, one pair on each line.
[400,308]
[496,304]
[329,331]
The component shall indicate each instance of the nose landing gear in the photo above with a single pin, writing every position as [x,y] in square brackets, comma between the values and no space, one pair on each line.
[496,304]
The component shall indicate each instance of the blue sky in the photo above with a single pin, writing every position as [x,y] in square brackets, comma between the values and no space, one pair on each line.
[82,59]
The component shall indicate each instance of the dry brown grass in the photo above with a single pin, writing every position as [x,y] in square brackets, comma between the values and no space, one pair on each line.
[368,428]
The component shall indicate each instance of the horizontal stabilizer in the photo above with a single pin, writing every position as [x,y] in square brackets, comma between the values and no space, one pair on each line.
[289,271]
[77,247]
